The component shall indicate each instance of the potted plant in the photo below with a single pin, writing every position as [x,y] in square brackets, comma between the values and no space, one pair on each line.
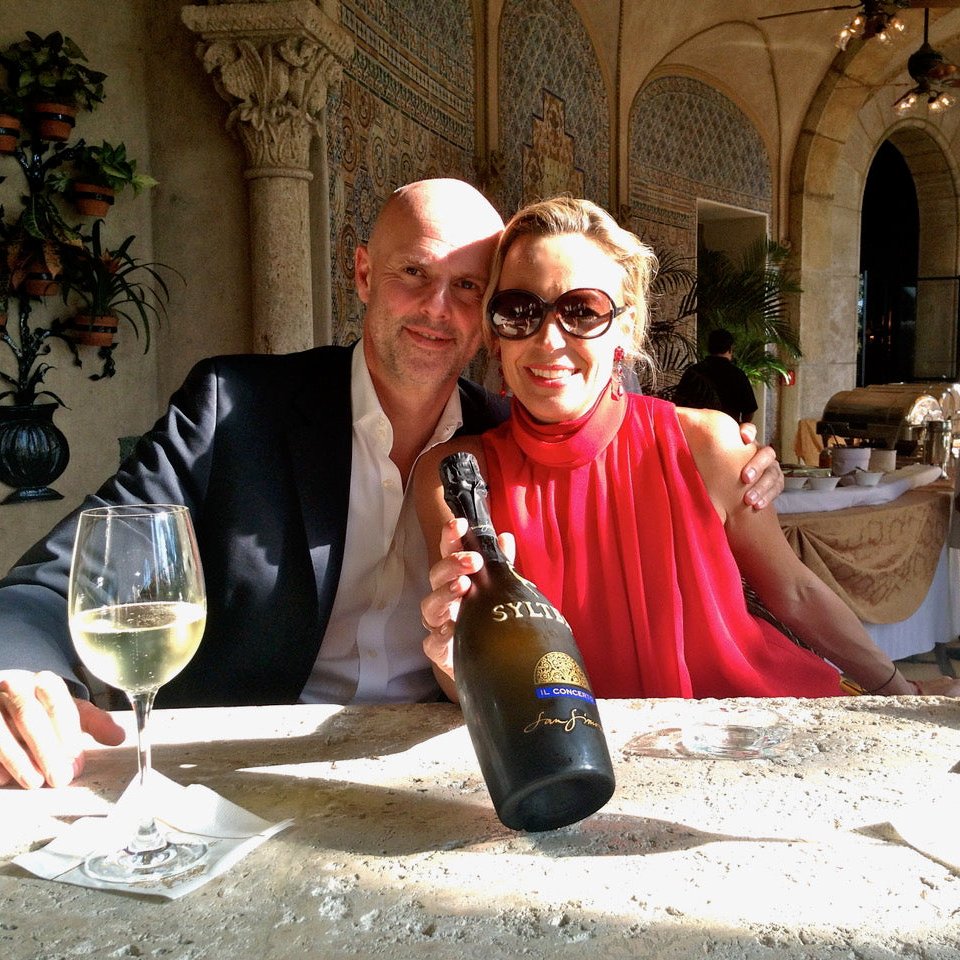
[107,285]
[99,174]
[750,298]
[34,245]
[11,111]
[35,266]
[47,80]
[49,75]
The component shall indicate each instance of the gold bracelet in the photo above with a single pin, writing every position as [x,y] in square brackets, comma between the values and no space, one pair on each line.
[882,685]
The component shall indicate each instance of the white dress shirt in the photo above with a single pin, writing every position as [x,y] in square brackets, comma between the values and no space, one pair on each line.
[372,650]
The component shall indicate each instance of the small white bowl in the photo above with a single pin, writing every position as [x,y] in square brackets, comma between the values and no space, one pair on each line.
[794,483]
[868,478]
[824,483]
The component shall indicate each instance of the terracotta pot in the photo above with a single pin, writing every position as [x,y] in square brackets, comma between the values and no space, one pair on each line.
[9,132]
[93,331]
[91,199]
[53,121]
[40,283]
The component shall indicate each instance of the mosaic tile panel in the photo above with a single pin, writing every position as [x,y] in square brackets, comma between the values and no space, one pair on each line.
[546,57]
[690,138]
[404,111]
[548,166]
[688,141]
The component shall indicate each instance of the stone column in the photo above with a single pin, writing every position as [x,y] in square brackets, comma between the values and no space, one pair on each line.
[274,62]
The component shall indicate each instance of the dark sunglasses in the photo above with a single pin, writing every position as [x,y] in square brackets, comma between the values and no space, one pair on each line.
[584,313]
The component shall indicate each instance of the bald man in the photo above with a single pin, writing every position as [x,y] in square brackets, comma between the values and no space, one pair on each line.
[295,470]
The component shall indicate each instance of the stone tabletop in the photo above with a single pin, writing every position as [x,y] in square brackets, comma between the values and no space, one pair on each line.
[396,851]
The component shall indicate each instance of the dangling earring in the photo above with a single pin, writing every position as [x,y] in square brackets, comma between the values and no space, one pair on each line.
[503,382]
[616,379]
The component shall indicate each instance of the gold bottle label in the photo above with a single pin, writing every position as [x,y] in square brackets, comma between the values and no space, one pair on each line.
[559,675]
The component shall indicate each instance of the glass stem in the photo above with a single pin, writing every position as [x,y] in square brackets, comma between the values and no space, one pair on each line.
[148,837]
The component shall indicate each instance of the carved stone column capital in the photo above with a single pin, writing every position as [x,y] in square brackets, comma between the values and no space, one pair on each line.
[274,64]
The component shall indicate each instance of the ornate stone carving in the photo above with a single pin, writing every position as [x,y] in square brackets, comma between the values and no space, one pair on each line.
[273,63]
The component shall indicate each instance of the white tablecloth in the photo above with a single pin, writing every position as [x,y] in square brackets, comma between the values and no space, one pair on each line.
[936,621]
[890,487]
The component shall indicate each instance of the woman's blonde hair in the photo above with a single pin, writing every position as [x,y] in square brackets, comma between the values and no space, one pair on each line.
[568,215]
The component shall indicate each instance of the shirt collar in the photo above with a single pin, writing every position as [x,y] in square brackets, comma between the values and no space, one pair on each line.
[367,410]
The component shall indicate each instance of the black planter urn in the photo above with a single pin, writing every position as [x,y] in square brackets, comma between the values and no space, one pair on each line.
[33,452]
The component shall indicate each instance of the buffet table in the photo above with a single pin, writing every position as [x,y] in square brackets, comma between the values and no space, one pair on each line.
[395,850]
[890,563]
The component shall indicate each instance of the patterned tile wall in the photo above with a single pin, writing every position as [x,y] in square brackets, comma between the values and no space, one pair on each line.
[548,69]
[404,111]
[688,141]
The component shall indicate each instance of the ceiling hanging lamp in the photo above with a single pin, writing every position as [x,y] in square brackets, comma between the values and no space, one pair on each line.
[875,19]
[932,75]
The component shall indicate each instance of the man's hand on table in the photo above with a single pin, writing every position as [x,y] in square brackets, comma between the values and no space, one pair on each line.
[762,475]
[42,727]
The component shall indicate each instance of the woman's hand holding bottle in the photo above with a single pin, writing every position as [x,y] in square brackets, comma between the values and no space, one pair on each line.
[450,580]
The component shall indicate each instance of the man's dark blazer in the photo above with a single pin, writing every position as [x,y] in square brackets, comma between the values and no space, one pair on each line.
[259,448]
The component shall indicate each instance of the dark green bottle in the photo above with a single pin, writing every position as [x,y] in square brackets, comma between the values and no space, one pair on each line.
[523,688]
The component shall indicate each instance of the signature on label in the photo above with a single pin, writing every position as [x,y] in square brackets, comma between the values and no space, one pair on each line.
[568,724]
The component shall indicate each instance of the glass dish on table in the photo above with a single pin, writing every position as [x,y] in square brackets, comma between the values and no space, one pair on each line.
[734,731]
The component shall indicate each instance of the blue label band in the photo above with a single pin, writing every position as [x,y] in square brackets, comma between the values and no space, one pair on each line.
[555,690]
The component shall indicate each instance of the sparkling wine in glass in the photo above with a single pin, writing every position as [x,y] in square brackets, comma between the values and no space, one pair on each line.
[137,608]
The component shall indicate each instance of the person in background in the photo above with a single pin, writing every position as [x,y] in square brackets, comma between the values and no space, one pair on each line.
[295,469]
[625,509]
[716,382]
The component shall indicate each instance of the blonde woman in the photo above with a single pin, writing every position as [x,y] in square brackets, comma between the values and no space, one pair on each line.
[627,511]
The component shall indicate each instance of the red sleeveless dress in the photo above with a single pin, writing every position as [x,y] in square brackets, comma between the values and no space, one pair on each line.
[615,526]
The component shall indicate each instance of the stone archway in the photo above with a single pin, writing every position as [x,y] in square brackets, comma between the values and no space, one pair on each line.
[933,172]
[841,134]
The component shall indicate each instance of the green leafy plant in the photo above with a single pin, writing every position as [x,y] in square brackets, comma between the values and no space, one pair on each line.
[51,68]
[105,282]
[671,342]
[10,104]
[107,165]
[750,297]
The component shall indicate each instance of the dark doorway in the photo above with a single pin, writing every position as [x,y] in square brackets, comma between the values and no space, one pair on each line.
[889,253]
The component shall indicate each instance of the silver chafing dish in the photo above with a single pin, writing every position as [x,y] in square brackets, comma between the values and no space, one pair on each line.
[907,417]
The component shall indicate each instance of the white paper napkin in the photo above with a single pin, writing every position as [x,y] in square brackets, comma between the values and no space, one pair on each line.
[195,811]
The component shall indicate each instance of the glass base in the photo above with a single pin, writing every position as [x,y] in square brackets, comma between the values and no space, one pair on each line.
[734,731]
[128,866]
[730,742]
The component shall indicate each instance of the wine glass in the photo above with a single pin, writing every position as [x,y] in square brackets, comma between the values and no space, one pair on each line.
[137,609]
